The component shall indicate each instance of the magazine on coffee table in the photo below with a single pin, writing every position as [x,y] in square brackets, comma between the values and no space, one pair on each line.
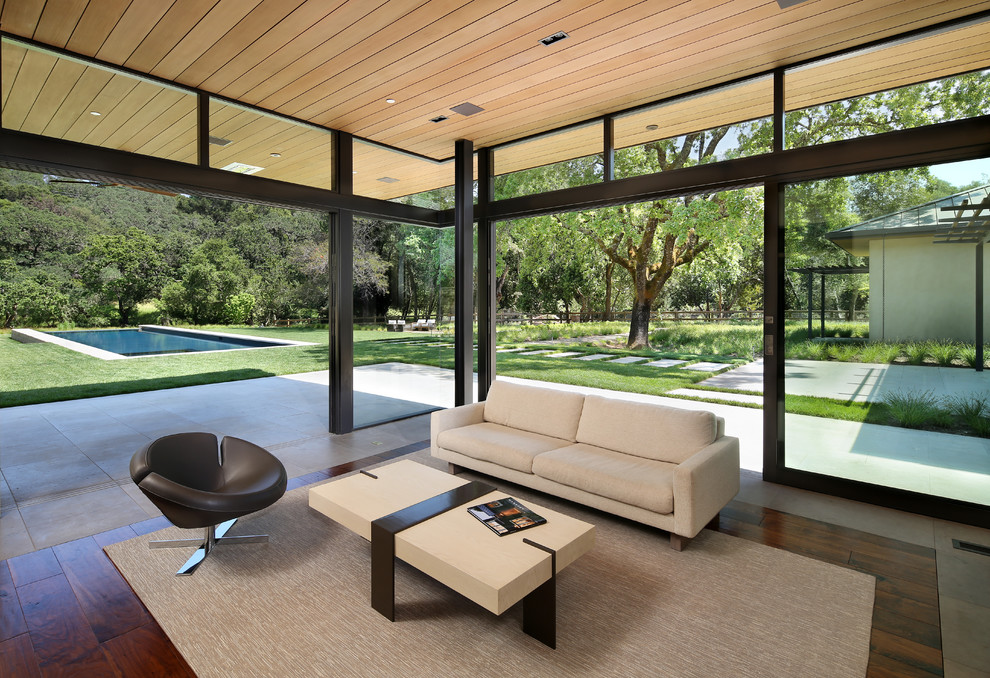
[505,516]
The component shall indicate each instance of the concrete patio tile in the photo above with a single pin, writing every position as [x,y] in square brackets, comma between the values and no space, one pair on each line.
[508,350]
[964,632]
[666,362]
[14,538]
[565,354]
[536,352]
[61,520]
[628,360]
[34,481]
[596,356]
[54,450]
[135,493]
[707,367]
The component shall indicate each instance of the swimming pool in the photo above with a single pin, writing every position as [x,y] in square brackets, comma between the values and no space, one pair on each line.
[149,340]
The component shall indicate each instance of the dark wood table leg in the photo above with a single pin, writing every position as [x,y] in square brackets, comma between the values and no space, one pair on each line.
[383,571]
[540,605]
[383,531]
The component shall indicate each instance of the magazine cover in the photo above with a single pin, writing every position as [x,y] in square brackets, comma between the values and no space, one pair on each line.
[505,516]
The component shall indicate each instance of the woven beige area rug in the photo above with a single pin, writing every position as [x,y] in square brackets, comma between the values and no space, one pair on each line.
[299,606]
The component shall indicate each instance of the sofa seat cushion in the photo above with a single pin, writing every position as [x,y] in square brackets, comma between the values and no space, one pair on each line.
[657,432]
[501,445]
[632,480]
[547,411]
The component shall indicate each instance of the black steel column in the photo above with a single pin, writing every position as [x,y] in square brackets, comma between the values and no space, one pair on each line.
[821,311]
[486,275]
[979,306]
[811,303]
[341,300]
[203,129]
[773,330]
[608,148]
[778,110]
[463,272]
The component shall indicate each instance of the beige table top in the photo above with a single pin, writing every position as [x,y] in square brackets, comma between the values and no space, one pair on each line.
[454,547]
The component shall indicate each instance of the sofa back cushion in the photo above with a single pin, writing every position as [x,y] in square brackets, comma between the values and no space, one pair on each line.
[545,411]
[646,430]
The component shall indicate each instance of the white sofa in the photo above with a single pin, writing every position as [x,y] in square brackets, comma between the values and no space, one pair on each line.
[671,468]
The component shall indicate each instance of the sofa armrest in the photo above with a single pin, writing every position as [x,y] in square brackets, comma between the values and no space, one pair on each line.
[704,484]
[455,417]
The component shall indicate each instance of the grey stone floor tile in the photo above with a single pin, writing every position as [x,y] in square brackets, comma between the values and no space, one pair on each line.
[6,498]
[964,632]
[35,481]
[14,453]
[909,527]
[135,493]
[14,537]
[954,669]
[61,520]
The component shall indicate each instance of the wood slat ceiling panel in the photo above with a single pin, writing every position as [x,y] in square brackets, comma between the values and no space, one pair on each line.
[333,62]
[747,101]
[568,145]
[414,175]
[929,58]
[614,81]
[54,96]
[305,152]
[609,85]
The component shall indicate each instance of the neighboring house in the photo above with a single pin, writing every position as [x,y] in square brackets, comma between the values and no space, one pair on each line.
[922,276]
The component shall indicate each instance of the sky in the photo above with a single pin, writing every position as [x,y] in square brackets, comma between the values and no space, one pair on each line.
[962,173]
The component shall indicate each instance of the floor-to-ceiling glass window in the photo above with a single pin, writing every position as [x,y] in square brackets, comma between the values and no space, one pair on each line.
[883,378]
[403,324]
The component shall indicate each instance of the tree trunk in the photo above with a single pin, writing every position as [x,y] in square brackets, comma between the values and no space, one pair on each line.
[639,328]
[608,290]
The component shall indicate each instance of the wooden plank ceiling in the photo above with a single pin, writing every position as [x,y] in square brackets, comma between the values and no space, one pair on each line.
[334,63]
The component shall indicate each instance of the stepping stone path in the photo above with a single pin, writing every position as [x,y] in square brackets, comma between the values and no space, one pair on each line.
[627,360]
[666,362]
[707,367]
[566,354]
[536,352]
[508,350]
[595,356]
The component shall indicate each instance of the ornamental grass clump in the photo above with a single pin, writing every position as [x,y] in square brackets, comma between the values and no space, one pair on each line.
[916,352]
[974,411]
[944,352]
[914,410]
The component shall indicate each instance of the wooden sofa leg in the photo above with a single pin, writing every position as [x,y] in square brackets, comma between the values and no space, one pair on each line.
[677,542]
[454,469]
[713,523]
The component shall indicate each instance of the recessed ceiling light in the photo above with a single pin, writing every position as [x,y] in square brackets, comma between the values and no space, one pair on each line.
[652,127]
[276,155]
[388,180]
[467,108]
[439,118]
[95,113]
[556,37]
[390,101]
[784,4]
[217,141]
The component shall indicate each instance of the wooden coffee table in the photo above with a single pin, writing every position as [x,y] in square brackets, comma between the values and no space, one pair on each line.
[419,514]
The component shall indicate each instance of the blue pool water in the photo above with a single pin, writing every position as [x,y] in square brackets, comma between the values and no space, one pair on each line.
[153,342]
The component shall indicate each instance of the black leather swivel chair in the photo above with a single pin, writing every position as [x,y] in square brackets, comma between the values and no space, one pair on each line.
[195,484]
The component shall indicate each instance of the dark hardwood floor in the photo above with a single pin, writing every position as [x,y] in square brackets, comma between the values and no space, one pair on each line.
[65,611]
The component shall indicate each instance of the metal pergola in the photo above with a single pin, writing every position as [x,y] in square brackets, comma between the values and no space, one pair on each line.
[823,271]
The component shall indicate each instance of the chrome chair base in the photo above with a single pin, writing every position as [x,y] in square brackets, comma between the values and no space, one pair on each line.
[214,535]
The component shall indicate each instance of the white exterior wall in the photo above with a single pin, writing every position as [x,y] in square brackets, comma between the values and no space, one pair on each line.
[920,290]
